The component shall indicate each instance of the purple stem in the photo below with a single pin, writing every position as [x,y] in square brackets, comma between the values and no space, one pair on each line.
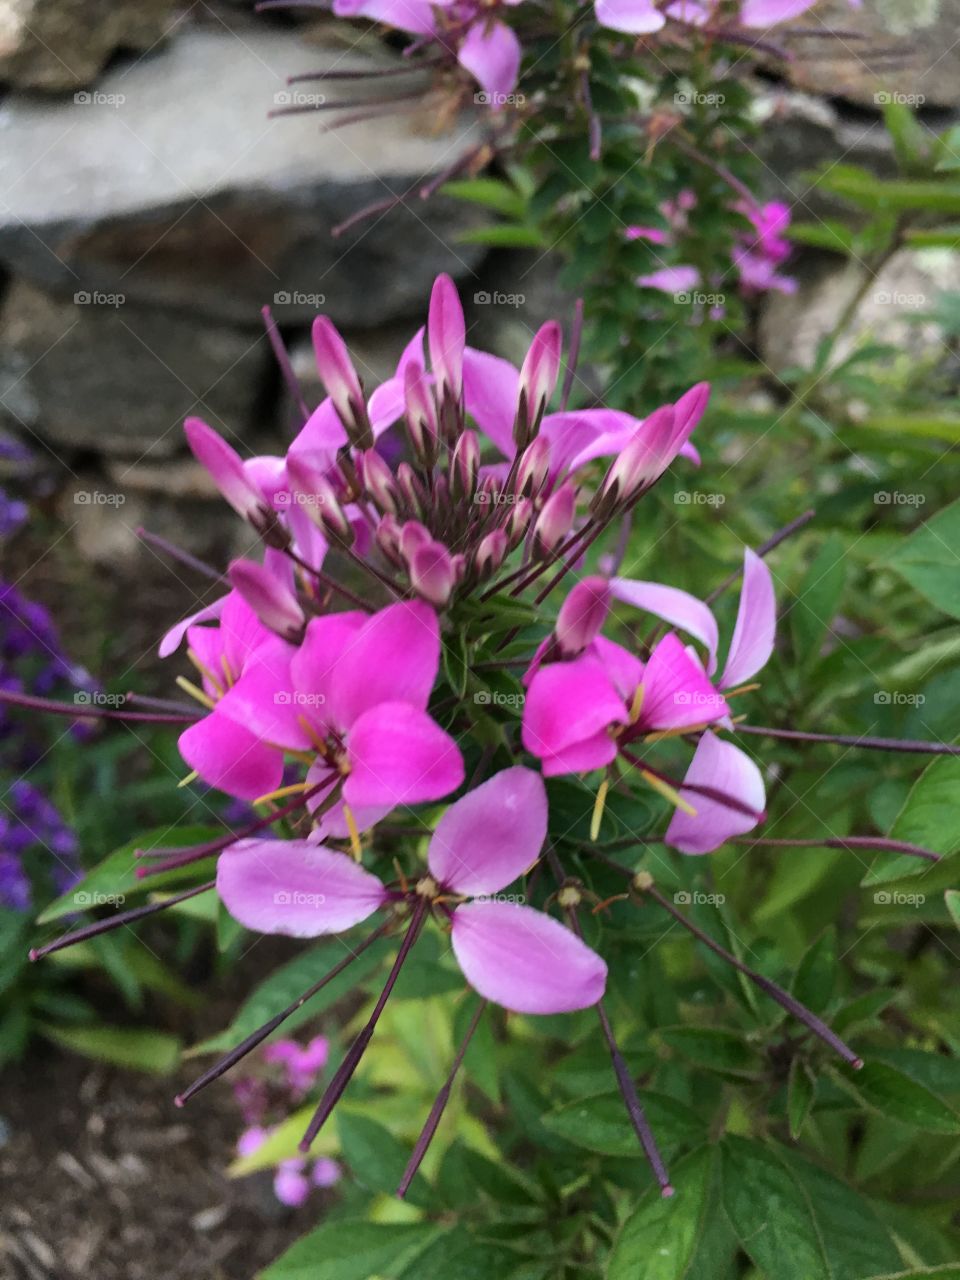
[847,842]
[764,549]
[257,1037]
[576,333]
[282,357]
[177,553]
[438,1108]
[351,1061]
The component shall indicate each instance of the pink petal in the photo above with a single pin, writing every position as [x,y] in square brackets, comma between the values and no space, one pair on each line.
[755,628]
[490,388]
[582,615]
[623,667]
[491,53]
[294,888]
[446,336]
[492,835]
[322,433]
[524,960]
[679,279]
[721,765]
[264,701]
[677,607]
[225,467]
[677,693]
[394,657]
[415,16]
[173,638]
[333,822]
[568,702]
[229,757]
[398,755]
[314,666]
[767,13]
[635,17]
[580,757]
[577,436]
[268,596]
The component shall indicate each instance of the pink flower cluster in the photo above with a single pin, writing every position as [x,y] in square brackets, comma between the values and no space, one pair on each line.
[288,676]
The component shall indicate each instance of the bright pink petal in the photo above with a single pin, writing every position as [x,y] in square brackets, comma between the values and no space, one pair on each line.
[726,768]
[676,691]
[265,702]
[298,889]
[323,433]
[492,835]
[491,52]
[753,633]
[446,336]
[229,757]
[568,702]
[388,401]
[524,960]
[577,436]
[677,607]
[314,666]
[398,755]
[225,467]
[394,657]
[174,637]
[623,667]
[580,757]
[490,388]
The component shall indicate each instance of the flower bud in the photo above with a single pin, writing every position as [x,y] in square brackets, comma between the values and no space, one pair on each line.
[270,599]
[388,540]
[411,490]
[446,337]
[340,379]
[378,480]
[423,430]
[491,552]
[318,496]
[226,470]
[582,615]
[643,461]
[518,521]
[556,519]
[538,380]
[413,535]
[465,467]
[434,572]
[533,469]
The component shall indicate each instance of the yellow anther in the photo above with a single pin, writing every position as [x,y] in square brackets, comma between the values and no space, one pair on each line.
[195,693]
[744,688]
[350,820]
[205,672]
[569,896]
[192,776]
[427,887]
[636,706]
[669,793]
[642,881]
[598,807]
[227,673]
[282,792]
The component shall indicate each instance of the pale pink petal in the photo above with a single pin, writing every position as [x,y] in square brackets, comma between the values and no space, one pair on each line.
[755,628]
[767,13]
[322,434]
[726,768]
[568,702]
[490,388]
[298,889]
[635,17]
[582,615]
[623,667]
[225,467]
[677,607]
[577,436]
[174,637]
[398,755]
[525,960]
[688,11]
[394,657]
[415,16]
[491,835]
[491,52]
[676,691]
[679,279]
[229,757]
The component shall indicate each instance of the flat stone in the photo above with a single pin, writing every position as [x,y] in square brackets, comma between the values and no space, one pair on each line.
[906,48]
[172,185]
[792,325]
[63,44]
[104,375]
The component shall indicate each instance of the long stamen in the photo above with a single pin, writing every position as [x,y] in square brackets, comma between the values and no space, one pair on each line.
[257,1037]
[847,842]
[89,711]
[341,1079]
[116,922]
[438,1108]
[709,793]
[913,746]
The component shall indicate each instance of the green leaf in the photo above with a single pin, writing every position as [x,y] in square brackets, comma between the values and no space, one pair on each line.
[353,1250]
[154,1051]
[928,560]
[600,1124]
[950,1271]
[506,236]
[952,898]
[928,426]
[116,875]
[489,193]
[459,1255]
[798,1222]
[883,1088]
[715,1048]
[660,1239]
[816,975]
[285,984]
[801,1088]
[376,1157]
[818,599]
[911,142]
[930,817]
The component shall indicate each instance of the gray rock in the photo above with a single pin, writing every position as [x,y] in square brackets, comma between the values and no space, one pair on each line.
[792,325]
[907,48]
[172,185]
[105,375]
[63,44]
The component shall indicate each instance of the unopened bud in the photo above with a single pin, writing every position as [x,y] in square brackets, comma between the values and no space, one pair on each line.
[465,466]
[491,552]
[318,496]
[556,519]
[434,572]
[641,462]
[582,615]
[340,379]
[412,493]
[518,521]
[533,468]
[378,480]
[423,430]
[538,379]
[388,540]
[271,600]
